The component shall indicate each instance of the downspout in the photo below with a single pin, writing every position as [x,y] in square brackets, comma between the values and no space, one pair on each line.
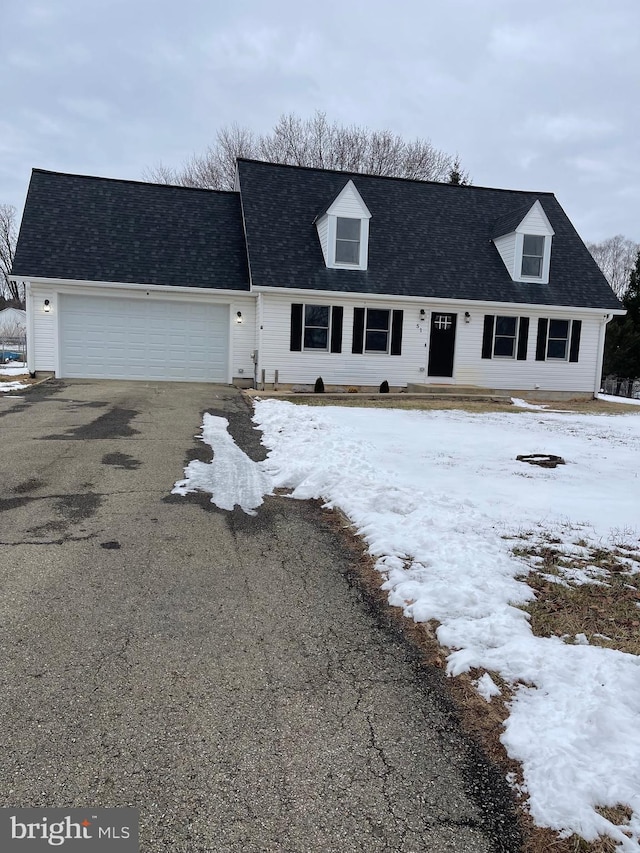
[603,330]
[31,356]
[258,338]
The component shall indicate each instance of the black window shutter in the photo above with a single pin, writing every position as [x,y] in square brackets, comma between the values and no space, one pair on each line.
[296,327]
[396,332]
[574,348]
[336,328]
[523,338]
[487,335]
[541,343]
[358,330]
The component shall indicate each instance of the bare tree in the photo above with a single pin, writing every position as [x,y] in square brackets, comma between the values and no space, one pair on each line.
[317,143]
[616,257]
[8,235]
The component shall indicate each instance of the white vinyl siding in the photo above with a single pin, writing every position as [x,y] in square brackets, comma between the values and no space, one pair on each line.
[507,247]
[344,368]
[535,222]
[44,345]
[370,369]
[506,373]
[349,205]
[229,355]
[323,235]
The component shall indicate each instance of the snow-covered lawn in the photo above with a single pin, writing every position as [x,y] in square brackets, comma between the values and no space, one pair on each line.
[14,368]
[441,502]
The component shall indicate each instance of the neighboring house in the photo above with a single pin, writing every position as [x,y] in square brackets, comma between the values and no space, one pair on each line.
[309,273]
[13,331]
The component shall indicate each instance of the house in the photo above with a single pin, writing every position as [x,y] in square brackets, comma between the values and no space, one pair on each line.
[13,333]
[308,272]
[13,323]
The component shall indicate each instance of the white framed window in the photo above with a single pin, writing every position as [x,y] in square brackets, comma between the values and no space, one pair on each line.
[443,322]
[558,340]
[532,255]
[348,238]
[505,337]
[317,324]
[377,330]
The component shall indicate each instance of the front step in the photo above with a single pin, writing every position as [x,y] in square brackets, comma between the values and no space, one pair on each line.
[436,388]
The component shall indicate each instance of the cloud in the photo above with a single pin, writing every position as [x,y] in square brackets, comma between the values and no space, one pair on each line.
[42,125]
[90,109]
[593,169]
[566,128]
[24,60]
[260,48]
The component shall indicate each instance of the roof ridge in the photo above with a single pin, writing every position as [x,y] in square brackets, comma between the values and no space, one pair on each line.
[391,177]
[130,181]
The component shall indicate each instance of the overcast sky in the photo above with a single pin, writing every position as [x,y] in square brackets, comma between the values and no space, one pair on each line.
[539,96]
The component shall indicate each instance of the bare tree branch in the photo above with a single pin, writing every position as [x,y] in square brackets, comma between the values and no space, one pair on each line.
[317,143]
[8,236]
[616,257]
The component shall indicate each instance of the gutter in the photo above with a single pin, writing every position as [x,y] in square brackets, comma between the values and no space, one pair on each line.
[603,330]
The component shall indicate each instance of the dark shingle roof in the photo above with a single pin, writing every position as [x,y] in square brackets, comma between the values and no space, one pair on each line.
[99,229]
[426,239]
[507,224]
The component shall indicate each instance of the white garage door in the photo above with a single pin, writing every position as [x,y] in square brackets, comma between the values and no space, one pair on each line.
[103,337]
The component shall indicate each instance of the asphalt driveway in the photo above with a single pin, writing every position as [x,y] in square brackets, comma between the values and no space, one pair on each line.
[215,670]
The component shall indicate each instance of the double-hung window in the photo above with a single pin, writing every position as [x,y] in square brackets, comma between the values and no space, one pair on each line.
[377,330]
[505,337]
[376,337]
[316,328]
[347,241]
[558,340]
[532,255]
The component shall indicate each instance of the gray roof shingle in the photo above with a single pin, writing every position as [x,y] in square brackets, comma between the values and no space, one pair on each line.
[100,229]
[426,239]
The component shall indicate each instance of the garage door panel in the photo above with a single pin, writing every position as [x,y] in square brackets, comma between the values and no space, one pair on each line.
[124,338]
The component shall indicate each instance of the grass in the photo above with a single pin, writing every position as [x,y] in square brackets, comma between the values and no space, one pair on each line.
[586,407]
[606,611]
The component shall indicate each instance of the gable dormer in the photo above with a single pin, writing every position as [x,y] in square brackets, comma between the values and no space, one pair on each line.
[523,240]
[343,230]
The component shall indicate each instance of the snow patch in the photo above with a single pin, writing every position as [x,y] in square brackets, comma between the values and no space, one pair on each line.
[486,687]
[438,500]
[231,478]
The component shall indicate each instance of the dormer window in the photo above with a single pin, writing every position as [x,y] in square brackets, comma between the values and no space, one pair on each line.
[347,241]
[523,238]
[343,230]
[532,255]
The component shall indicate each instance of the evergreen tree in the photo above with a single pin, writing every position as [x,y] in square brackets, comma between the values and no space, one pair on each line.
[622,346]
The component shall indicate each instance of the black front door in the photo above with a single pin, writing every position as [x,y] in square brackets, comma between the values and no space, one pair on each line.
[442,344]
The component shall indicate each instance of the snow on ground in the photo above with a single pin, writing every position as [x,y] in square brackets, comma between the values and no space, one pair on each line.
[231,478]
[439,497]
[610,399]
[15,368]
